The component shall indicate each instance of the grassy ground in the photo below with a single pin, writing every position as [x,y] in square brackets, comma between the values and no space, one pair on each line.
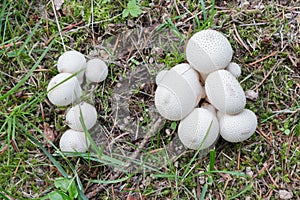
[265,39]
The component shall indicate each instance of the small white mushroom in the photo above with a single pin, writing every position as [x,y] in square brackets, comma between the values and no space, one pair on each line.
[72,62]
[237,128]
[63,91]
[208,50]
[89,116]
[234,69]
[178,92]
[74,141]
[200,127]
[96,70]
[224,92]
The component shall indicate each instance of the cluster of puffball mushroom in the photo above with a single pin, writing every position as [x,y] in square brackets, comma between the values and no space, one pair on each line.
[64,89]
[222,112]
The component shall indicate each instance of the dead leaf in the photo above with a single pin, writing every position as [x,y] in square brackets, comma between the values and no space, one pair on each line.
[50,134]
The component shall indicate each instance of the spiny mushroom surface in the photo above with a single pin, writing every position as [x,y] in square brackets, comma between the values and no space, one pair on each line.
[72,62]
[239,127]
[178,92]
[62,92]
[224,92]
[208,51]
[96,70]
[200,127]
[74,141]
[89,115]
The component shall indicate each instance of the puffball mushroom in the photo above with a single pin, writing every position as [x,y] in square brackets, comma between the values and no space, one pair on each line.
[72,62]
[96,70]
[200,127]
[74,141]
[89,116]
[62,92]
[234,69]
[237,128]
[224,92]
[208,51]
[178,92]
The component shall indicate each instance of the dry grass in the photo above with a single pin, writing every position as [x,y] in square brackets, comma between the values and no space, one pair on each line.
[265,39]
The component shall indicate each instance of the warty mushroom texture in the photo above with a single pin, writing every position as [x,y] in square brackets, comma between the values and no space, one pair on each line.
[209,53]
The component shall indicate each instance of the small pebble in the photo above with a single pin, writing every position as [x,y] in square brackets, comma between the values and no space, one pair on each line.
[283,194]
[249,172]
[251,95]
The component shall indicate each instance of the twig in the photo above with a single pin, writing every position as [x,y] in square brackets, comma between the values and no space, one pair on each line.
[265,78]
[262,59]
[58,26]
[155,127]
[265,136]
[10,45]
[238,38]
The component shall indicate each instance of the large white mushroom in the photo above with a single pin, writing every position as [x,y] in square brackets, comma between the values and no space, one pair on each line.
[88,113]
[178,92]
[224,92]
[208,51]
[72,62]
[239,127]
[74,141]
[63,90]
[96,70]
[200,127]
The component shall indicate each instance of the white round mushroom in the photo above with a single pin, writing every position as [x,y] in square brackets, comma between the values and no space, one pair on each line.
[234,69]
[63,90]
[208,51]
[96,70]
[178,92]
[224,92]
[237,128]
[72,62]
[74,141]
[199,128]
[88,113]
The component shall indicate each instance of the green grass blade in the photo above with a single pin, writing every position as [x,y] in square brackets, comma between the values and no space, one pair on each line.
[110,181]
[204,190]
[203,10]
[51,158]
[187,168]
[249,187]
[27,76]
[212,158]
[2,18]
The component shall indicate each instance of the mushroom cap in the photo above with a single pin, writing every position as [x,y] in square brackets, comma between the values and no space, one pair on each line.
[74,141]
[89,115]
[234,69]
[237,128]
[178,92]
[208,50]
[67,91]
[200,127]
[96,70]
[72,62]
[224,92]
[192,78]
